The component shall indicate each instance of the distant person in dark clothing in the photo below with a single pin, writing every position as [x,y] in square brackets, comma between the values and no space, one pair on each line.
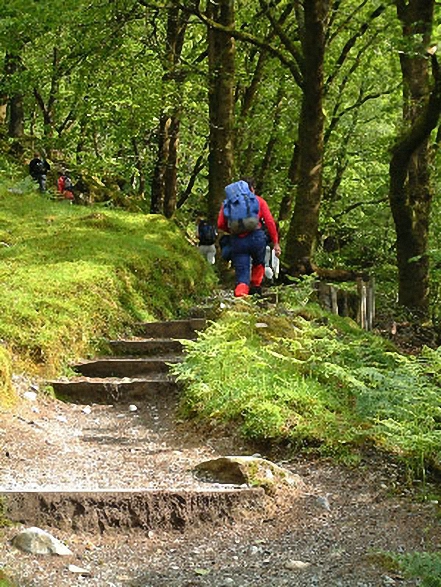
[206,234]
[38,168]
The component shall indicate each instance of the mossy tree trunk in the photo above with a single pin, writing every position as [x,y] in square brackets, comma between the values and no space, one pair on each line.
[410,192]
[303,227]
[15,108]
[221,50]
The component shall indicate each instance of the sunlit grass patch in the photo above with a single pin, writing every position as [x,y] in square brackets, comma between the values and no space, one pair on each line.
[71,276]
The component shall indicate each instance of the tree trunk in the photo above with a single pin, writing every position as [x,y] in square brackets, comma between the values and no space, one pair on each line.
[13,66]
[303,228]
[410,192]
[170,196]
[158,180]
[221,50]
[164,181]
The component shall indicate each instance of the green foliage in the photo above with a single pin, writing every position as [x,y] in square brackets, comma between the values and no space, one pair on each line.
[314,380]
[5,581]
[425,566]
[70,276]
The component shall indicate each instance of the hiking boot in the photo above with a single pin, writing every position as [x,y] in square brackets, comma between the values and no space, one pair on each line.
[255,290]
[242,289]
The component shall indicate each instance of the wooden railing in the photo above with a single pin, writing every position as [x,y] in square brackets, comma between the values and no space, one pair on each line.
[357,303]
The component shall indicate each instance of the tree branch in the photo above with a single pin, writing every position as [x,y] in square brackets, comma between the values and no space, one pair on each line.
[286,41]
[351,42]
[358,204]
[240,35]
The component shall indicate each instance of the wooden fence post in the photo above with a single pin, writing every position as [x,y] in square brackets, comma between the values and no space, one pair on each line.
[361,288]
[370,309]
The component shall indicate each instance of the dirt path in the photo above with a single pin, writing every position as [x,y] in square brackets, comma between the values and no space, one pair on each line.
[57,445]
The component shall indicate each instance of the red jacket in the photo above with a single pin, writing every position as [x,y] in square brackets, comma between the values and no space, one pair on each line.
[264,214]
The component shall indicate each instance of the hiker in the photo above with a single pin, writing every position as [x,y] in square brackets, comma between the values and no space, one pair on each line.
[243,214]
[206,234]
[65,185]
[272,263]
[38,168]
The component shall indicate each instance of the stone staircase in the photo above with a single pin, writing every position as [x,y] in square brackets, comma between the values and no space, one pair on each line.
[138,368]
[137,373]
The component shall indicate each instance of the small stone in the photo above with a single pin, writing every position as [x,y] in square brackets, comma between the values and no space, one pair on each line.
[30,396]
[78,570]
[202,572]
[62,419]
[86,410]
[295,565]
[323,502]
[253,550]
[133,408]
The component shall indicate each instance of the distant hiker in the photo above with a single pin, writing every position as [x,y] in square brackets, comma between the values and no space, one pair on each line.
[38,168]
[272,263]
[65,186]
[242,215]
[206,234]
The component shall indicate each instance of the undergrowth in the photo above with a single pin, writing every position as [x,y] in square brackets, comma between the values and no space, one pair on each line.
[298,376]
[425,566]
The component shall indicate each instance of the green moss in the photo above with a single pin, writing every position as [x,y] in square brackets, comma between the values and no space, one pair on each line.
[7,394]
[75,276]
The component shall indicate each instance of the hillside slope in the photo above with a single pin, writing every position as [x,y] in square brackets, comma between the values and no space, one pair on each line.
[71,276]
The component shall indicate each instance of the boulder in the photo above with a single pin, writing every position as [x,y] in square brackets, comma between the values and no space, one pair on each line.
[248,470]
[37,541]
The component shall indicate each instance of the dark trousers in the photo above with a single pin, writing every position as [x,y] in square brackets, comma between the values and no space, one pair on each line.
[246,251]
[41,180]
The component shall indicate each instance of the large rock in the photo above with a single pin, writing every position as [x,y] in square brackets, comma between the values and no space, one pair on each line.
[37,541]
[249,470]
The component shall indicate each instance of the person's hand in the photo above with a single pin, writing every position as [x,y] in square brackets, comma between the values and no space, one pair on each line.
[277,250]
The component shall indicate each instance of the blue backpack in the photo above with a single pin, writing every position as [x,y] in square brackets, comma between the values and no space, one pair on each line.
[241,208]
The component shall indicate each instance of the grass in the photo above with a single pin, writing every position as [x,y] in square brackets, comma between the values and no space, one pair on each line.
[72,276]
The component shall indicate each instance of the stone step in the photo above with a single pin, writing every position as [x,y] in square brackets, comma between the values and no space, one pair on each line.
[172,328]
[149,346]
[125,367]
[99,511]
[112,390]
